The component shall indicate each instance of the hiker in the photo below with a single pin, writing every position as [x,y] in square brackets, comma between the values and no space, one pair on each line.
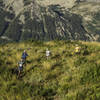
[77,49]
[24,56]
[47,53]
[20,67]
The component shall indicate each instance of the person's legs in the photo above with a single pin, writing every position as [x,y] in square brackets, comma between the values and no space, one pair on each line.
[47,57]
[24,62]
[19,71]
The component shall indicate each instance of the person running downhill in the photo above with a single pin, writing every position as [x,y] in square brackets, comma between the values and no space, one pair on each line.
[24,56]
[47,53]
[20,67]
[77,49]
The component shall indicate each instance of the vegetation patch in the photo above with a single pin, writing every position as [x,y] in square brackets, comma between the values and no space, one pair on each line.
[65,75]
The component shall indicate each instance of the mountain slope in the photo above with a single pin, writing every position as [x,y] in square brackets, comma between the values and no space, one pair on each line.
[49,24]
[90,11]
[63,3]
[22,20]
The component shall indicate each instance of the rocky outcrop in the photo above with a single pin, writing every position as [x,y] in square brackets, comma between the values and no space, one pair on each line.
[33,21]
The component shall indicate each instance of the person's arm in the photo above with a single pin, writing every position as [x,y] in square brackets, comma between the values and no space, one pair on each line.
[26,54]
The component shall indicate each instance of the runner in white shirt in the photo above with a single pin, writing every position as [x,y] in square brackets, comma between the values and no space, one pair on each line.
[47,53]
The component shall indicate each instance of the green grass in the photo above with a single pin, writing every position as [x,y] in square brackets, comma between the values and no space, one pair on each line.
[64,76]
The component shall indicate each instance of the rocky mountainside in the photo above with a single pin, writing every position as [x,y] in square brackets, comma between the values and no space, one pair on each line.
[90,12]
[48,20]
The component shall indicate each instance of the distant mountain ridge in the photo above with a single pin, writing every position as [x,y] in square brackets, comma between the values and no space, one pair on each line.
[22,20]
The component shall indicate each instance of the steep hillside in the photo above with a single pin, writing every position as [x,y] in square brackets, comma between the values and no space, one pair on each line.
[91,17]
[64,76]
[22,19]
[47,24]
[63,3]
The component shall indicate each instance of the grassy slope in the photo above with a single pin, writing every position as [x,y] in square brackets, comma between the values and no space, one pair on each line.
[65,76]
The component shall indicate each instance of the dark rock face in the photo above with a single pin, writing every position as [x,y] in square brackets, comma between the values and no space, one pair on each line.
[3,23]
[42,23]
